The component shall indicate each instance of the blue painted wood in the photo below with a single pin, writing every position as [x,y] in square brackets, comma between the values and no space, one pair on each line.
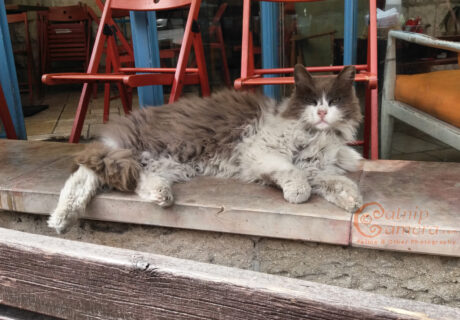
[8,77]
[146,54]
[350,32]
[269,19]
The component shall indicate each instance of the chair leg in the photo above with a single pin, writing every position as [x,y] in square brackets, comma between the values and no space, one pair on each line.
[105,117]
[374,115]
[220,40]
[200,61]
[107,93]
[81,113]
[124,98]
[387,124]
[5,117]
[367,124]
[30,78]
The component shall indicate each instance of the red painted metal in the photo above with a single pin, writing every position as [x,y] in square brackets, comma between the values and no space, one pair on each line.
[150,5]
[251,77]
[123,77]
[6,117]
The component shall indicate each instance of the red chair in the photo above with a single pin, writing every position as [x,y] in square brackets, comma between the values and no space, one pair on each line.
[6,117]
[250,76]
[66,33]
[176,77]
[27,51]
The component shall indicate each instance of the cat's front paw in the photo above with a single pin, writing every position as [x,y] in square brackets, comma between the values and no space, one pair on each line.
[61,220]
[160,195]
[297,192]
[344,193]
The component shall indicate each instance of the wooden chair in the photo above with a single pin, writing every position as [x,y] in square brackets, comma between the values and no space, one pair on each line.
[427,101]
[176,77]
[6,117]
[367,73]
[27,51]
[66,33]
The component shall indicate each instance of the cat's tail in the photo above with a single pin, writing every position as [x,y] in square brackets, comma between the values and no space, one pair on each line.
[116,168]
[97,165]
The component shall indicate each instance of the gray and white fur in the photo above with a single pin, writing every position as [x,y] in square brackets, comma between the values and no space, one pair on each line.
[299,146]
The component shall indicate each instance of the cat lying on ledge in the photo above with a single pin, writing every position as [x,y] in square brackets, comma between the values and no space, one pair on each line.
[298,145]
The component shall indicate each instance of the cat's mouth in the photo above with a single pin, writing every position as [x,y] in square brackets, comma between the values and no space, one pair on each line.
[322,124]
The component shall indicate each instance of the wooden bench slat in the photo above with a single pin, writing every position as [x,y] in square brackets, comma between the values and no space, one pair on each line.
[77,280]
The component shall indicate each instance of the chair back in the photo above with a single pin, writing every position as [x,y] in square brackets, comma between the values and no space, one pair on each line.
[68,14]
[247,58]
[149,5]
[66,35]
[17,17]
[191,27]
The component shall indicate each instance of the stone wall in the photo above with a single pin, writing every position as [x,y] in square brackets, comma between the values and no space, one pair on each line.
[432,279]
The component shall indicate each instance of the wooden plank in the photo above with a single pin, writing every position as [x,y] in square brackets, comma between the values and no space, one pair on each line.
[409,206]
[76,280]
[201,204]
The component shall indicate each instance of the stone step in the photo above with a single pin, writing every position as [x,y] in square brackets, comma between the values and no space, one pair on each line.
[409,206]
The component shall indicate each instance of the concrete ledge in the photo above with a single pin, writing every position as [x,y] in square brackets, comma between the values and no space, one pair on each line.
[32,173]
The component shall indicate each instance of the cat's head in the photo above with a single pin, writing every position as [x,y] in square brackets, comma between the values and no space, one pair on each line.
[324,103]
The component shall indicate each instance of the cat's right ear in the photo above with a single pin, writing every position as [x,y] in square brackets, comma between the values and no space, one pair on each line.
[302,78]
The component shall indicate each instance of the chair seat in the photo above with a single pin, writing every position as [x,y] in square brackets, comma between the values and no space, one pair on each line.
[132,80]
[258,80]
[436,93]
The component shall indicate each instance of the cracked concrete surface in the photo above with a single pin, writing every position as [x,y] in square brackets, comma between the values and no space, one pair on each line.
[426,278]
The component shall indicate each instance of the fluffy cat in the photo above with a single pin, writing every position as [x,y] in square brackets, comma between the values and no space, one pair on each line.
[299,145]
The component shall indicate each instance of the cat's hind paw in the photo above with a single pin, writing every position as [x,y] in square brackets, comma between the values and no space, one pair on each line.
[61,221]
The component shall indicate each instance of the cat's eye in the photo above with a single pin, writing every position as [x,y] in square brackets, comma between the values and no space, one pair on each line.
[311,101]
[334,101]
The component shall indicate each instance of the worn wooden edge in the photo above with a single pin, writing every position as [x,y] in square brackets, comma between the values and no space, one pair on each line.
[106,207]
[10,313]
[71,279]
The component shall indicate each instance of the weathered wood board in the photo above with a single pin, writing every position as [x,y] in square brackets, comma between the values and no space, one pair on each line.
[75,280]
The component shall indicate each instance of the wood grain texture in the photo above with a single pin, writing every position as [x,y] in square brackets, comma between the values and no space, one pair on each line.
[76,280]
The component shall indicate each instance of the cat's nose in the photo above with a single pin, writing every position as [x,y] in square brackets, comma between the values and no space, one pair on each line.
[322,113]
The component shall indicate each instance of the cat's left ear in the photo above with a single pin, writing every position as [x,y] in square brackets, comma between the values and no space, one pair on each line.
[347,75]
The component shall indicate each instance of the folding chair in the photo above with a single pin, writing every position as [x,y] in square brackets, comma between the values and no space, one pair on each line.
[67,35]
[250,76]
[176,77]
[5,117]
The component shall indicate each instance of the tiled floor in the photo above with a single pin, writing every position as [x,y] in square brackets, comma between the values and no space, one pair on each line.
[55,123]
